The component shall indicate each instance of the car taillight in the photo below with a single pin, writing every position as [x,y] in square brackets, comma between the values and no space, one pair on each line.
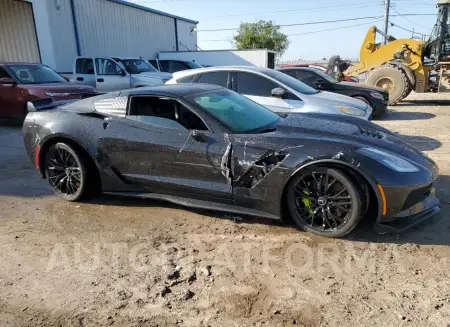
[36,156]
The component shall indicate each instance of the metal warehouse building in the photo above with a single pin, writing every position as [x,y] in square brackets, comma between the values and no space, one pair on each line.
[54,32]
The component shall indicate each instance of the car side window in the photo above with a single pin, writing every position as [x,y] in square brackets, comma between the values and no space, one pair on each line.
[154,63]
[164,64]
[289,72]
[3,73]
[164,112]
[216,78]
[84,66]
[107,67]
[186,79]
[252,84]
[309,78]
[176,66]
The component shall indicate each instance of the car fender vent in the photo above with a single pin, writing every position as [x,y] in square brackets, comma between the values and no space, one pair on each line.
[369,132]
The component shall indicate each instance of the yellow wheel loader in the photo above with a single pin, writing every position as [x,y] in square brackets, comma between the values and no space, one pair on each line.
[403,65]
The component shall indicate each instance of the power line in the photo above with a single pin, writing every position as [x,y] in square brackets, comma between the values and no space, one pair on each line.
[410,20]
[319,22]
[405,29]
[298,24]
[311,32]
[336,28]
[338,7]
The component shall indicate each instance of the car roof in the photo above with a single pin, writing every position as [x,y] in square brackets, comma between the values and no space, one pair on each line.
[219,68]
[173,89]
[311,69]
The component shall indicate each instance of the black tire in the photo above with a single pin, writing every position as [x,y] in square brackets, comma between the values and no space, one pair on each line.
[393,79]
[374,114]
[340,210]
[66,172]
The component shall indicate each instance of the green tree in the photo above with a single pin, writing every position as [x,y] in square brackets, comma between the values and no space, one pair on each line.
[261,35]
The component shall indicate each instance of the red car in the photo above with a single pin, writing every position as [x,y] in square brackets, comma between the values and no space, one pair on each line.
[23,82]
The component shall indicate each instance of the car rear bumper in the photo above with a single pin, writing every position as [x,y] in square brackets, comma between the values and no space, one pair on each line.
[410,216]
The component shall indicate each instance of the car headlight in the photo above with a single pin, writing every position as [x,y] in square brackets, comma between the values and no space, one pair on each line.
[377,95]
[389,160]
[351,110]
[52,94]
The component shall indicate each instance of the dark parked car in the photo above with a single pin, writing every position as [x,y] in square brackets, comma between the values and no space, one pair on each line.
[375,97]
[172,66]
[206,146]
[22,82]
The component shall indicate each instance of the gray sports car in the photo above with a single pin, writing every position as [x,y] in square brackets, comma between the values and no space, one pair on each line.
[206,146]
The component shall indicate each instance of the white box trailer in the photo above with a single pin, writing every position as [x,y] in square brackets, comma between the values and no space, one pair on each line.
[256,57]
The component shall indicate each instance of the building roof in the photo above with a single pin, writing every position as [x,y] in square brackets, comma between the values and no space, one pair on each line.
[134,5]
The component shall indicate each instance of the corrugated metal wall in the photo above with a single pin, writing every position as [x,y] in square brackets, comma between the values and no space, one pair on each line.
[18,40]
[110,29]
[63,34]
[185,36]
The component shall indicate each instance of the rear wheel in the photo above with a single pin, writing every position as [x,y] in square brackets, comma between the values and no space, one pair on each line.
[66,172]
[393,80]
[325,202]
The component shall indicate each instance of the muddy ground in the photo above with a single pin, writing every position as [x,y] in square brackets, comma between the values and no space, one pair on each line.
[125,262]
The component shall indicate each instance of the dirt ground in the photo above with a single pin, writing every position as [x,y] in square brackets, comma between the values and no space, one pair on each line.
[125,262]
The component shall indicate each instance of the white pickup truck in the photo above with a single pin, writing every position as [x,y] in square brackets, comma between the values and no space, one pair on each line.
[109,74]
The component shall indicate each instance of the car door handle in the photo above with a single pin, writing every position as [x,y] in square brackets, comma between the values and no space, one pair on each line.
[100,80]
[80,79]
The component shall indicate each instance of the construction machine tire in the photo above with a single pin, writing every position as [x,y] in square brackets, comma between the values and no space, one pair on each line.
[392,79]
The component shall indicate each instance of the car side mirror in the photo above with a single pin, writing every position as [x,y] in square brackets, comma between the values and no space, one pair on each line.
[7,80]
[199,136]
[278,92]
[123,73]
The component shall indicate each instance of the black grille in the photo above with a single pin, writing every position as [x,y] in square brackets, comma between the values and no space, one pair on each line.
[368,132]
[417,196]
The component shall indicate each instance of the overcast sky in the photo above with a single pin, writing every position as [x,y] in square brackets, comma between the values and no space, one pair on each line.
[308,41]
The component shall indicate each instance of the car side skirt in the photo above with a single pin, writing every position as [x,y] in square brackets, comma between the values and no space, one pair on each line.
[201,204]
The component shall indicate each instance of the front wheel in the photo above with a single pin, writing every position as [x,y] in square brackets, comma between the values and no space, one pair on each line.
[325,202]
[66,172]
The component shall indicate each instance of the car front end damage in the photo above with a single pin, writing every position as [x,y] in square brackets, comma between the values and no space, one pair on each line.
[409,199]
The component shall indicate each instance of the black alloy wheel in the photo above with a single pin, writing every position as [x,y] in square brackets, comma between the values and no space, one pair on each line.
[65,172]
[325,202]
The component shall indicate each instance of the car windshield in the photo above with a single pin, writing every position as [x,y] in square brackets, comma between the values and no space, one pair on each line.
[290,81]
[238,113]
[325,76]
[193,64]
[35,74]
[137,66]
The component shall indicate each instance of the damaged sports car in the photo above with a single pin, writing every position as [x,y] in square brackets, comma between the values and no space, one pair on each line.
[207,147]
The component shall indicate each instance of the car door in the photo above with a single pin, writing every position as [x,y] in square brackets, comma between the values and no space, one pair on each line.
[259,89]
[12,102]
[84,72]
[163,147]
[110,76]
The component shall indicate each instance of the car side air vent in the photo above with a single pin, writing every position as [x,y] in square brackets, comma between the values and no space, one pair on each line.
[368,132]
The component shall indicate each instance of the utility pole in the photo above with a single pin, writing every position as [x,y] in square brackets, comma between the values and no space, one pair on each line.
[387,5]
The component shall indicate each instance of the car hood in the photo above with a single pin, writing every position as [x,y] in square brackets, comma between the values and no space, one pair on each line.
[359,86]
[61,88]
[334,99]
[293,130]
[158,75]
